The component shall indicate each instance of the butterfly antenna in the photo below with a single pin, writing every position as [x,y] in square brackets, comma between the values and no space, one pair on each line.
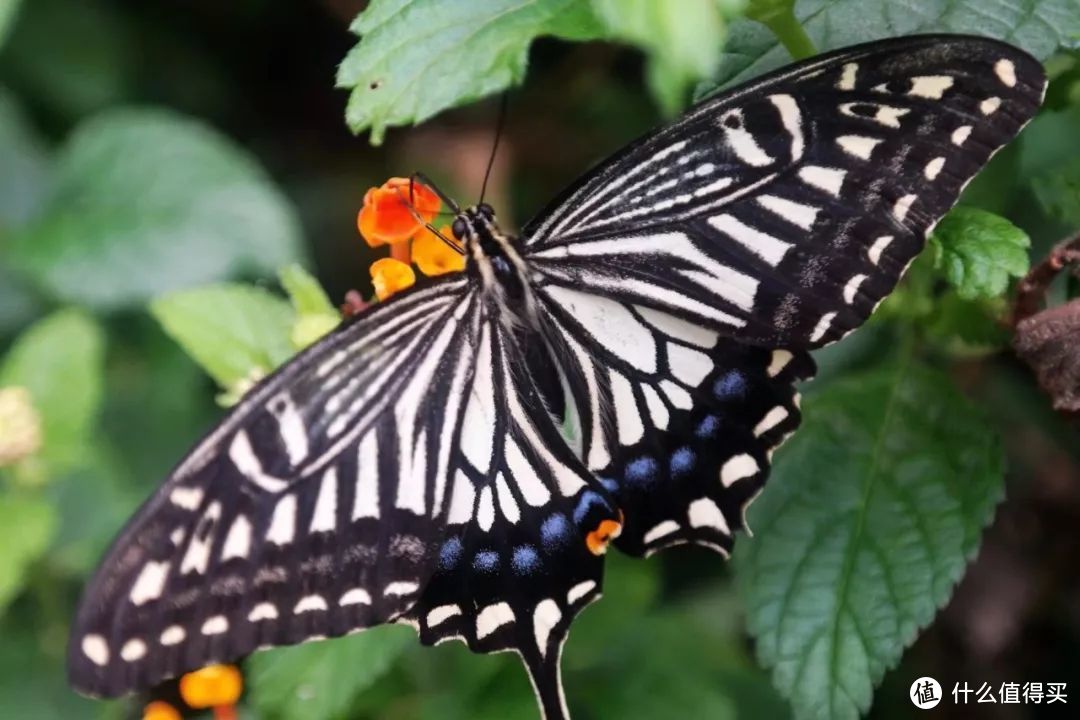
[434,188]
[420,219]
[503,103]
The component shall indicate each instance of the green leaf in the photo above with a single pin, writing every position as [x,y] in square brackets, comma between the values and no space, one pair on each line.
[148,201]
[967,328]
[26,528]
[24,165]
[687,658]
[419,57]
[1049,163]
[1038,26]
[101,481]
[979,251]
[94,60]
[874,509]
[779,16]
[237,333]
[319,680]
[32,682]
[633,587]
[60,360]
[683,41]
[315,315]
[8,11]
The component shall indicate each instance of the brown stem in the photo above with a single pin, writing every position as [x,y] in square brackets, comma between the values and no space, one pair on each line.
[1031,292]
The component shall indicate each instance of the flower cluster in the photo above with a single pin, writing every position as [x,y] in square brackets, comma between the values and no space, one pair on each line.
[215,687]
[397,214]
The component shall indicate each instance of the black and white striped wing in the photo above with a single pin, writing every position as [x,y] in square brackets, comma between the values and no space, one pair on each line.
[516,565]
[678,422]
[782,212]
[315,508]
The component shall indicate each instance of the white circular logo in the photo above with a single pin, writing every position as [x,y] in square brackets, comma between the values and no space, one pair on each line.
[925,693]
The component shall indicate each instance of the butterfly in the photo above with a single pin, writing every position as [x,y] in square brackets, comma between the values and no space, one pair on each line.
[460,456]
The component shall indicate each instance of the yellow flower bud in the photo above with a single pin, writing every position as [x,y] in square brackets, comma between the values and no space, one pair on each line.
[390,276]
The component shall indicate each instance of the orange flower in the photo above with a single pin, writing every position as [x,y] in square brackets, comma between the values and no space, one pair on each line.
[433,256]
[213,686]
[387,218]
[159,710]
[390,276]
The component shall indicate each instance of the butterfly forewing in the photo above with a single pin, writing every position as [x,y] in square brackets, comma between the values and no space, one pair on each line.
[782,212]
[314,508]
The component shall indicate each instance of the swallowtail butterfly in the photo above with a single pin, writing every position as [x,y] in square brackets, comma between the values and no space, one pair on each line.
[457,458]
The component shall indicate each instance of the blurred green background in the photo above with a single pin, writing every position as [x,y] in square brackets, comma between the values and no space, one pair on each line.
[149,147]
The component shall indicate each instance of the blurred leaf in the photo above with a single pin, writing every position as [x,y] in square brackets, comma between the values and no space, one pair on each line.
[8,10]
[319,680]
[151,382]
[418,57]
[24,165]
[683,41]
[147,201]
[315,316]
[1050,165]
[1039,26]
[18,306]
[686,660]
[1059,193]
[60,360]
[871,516]
[100,483]
[72,59]
[967,328]
[27,524]
[630,588]
[236,333]
[32,683]
[979,251]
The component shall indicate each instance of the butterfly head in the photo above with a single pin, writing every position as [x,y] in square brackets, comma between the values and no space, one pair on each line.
[476,224]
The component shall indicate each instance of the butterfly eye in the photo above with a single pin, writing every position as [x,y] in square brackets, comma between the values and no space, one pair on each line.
[458,228]
[486,210]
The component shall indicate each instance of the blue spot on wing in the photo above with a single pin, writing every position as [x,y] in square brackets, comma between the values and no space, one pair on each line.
[525,559]
[450,553]
[486,560]
[611,485]
[555,532]
[707,427]
[682,461]
[588,499]
[641,471]
[732,384]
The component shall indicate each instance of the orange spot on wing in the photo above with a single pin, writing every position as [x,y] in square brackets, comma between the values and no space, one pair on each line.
[599,539]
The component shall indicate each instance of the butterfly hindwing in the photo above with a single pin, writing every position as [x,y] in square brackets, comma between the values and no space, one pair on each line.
[516,564]
[314,509]
[677,421]
[781,212]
